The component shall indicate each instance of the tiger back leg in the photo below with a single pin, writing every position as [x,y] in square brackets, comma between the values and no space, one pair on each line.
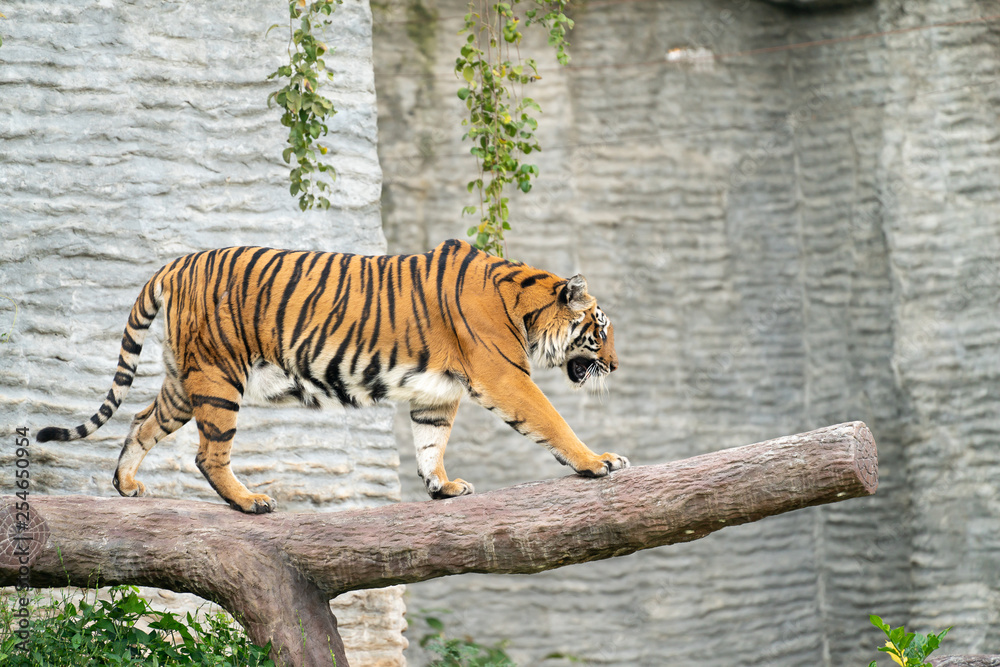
[166,414]
[431,428]
[215,403]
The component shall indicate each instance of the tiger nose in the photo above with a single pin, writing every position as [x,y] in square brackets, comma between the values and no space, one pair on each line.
[614,364]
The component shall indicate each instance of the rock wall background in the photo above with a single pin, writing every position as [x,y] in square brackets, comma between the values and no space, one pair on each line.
[134,132]
[785,238]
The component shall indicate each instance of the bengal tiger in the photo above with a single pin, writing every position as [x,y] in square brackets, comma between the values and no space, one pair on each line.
[275,326]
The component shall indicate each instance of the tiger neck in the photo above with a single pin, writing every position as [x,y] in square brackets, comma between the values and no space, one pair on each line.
[528,304]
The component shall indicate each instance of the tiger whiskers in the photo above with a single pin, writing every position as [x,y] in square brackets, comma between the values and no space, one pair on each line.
[599,386]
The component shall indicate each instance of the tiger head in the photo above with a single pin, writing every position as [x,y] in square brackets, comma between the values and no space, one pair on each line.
[579,337]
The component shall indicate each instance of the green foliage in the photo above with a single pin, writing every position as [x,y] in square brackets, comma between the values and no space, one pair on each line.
[305,110]
[461,652]
[907,649]
[500,124]
[466,652]
[104,632]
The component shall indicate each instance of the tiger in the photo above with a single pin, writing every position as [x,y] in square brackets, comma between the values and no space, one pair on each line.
[271,326]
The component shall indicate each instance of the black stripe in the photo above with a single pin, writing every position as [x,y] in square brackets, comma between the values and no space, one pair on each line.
[197,400]
[459,284]
[52,433]
[128,367]
[531,280]
[234,383]
[515,424]
[129,344]
[432,421]
[211,432]
[418,290]
[111,398]
[290,286]
[371,379]
[332,375]
[309,305]
[422,359]
[169,397]
[390,294]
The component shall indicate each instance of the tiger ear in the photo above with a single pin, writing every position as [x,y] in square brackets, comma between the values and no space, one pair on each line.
[575,293]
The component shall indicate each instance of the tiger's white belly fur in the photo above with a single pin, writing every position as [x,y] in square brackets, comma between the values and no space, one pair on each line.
[269,385]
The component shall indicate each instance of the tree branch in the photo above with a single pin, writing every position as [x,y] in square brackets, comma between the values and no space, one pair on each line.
[254,565]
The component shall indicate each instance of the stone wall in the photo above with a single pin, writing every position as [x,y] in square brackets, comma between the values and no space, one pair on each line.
[785,238]
[134,132]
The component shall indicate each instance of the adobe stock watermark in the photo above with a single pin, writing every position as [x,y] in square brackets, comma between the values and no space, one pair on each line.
[752,161]
[22,536]
[698,50]
[751,331]
[558,179]
[614,645]
[913,341]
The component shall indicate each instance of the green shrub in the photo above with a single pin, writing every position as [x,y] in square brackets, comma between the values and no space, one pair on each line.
[466,652]
[461,652]
[104,632]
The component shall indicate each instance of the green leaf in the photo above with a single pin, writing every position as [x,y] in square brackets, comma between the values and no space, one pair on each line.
[463,93]
[468,73]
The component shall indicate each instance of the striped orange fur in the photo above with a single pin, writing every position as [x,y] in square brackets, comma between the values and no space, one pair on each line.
[314,327]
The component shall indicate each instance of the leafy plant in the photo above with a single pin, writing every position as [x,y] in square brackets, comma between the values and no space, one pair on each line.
[461,652]
[466,652]
[105,632]
[907,649]
[306,111]
[500,125]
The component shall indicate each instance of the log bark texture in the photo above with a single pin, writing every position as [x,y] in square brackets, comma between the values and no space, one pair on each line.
[277,572]
[966,661]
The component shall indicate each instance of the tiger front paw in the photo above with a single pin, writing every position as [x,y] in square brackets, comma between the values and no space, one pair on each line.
[603,465]
[456,487]
[255,503]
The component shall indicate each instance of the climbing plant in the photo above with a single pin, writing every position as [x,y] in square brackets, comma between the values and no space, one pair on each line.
[500,122]
[306,111]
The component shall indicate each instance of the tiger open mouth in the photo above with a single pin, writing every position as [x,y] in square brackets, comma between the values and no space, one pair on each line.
[579,369]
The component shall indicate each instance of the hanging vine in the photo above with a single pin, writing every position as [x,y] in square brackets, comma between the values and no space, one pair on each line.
[500,124]
[306,111]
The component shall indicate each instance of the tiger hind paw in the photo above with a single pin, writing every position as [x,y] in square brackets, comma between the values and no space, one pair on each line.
[456,487]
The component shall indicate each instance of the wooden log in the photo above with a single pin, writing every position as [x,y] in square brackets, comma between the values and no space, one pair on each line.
[966,661]
[275,571]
